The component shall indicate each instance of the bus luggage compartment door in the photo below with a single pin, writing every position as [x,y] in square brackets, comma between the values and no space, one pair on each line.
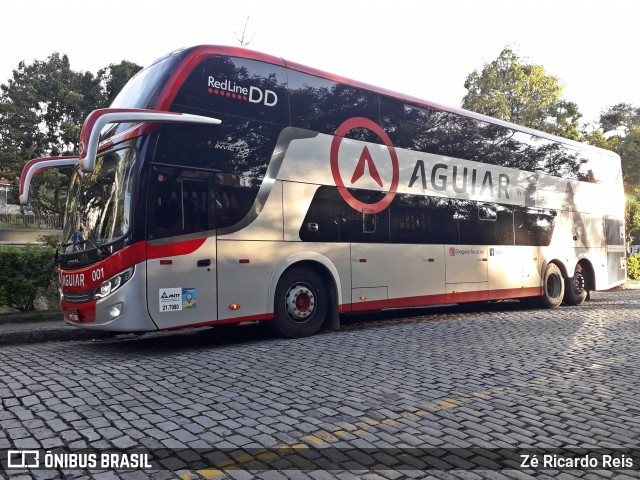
[467,271]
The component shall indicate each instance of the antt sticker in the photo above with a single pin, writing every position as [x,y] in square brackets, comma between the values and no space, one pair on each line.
[170,299]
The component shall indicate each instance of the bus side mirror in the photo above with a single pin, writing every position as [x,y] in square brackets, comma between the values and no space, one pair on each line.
[35,166]
[96,121]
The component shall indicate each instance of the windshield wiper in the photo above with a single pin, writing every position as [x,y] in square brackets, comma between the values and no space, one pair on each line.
[103,252]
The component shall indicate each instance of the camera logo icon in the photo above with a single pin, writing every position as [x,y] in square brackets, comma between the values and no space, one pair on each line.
[23,458]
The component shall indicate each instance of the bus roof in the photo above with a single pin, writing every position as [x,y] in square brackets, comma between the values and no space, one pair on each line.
[194,55]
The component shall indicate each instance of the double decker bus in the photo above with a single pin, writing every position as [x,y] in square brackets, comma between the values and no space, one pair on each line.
[225,185]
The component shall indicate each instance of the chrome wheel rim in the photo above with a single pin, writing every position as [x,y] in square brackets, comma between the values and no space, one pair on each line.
[300,302]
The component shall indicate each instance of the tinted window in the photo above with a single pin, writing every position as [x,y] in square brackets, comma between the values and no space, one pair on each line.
[180,202]
[532,153]
[322,222]
[143,89]
[235,194]
[426,220]
[425,129]
[496,223]
[323,105]
[238,150]
[364,226]
[236,146]
[417,219]
[499,146]
[553,158]
[533,226]
[331,219]
[471,230]
[465,139]
[236,86]
[415,127]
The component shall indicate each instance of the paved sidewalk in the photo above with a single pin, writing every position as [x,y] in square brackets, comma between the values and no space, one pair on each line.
[21,331]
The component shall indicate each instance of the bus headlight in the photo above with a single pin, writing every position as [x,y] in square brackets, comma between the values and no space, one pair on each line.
[113,284]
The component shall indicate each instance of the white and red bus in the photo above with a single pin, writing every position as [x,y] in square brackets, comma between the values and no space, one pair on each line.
[225,185]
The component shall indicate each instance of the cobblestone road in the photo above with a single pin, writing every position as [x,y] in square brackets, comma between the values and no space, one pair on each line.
[450,378]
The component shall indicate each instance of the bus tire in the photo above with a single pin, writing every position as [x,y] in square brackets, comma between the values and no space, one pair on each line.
[575,290]
[553,287]
[301,303]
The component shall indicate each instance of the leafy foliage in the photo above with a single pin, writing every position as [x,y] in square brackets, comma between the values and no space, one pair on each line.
[620,131]
[629,150]
[42,109]
[510,89]
[622,115]
[633,266]
[27,273]
[114,77]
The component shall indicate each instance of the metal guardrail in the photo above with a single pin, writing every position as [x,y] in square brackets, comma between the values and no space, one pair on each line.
[30,221]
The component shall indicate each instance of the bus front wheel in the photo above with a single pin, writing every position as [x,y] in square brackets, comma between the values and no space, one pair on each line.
[553,286]
[301,303]
[575,289]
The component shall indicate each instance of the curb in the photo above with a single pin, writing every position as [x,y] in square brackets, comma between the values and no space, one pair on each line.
[49,334]
[7,319]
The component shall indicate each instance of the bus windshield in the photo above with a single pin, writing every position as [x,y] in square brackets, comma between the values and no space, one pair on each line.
[99,203]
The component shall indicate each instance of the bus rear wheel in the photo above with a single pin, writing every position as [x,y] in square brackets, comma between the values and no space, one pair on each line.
[553,286]
[575,289]
[301,303]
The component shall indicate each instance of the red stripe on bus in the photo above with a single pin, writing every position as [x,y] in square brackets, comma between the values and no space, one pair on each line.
[135,131]
[425,300]
[174,249]
[444,298]
[127,257]
[121,260]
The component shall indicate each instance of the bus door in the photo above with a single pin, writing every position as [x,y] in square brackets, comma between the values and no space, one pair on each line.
[181,247]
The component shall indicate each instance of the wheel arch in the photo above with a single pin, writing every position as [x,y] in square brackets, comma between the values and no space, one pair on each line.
[560,264]
[588,273]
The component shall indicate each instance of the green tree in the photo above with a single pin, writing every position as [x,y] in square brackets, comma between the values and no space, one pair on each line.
[114,77]
[620,127]
[620,116]
[619,130]
[511,89]
[42,109]
[633,217]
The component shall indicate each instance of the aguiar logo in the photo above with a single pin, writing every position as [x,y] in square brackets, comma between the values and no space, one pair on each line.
[365,172]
